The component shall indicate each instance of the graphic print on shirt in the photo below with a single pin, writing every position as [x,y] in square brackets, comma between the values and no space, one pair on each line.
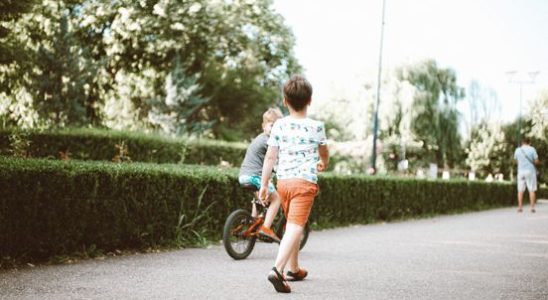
[297,141]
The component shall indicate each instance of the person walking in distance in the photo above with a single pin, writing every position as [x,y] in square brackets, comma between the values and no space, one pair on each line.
[527,158]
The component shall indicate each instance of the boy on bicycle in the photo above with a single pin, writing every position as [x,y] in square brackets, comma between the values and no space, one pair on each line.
[252,167]
[299,145]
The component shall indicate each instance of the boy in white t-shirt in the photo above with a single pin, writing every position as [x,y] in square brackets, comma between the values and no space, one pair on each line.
[299,145]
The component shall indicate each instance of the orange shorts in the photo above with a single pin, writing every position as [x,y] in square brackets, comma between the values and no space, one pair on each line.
[297,197]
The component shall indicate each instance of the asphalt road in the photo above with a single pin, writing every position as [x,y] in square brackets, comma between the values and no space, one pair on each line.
[496,254]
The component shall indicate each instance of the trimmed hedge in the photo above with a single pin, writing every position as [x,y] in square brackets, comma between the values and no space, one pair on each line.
[542,193]
[95,144]
[387,198]
[51,207]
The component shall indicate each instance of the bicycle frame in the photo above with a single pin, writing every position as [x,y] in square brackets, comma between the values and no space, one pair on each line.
[245,227]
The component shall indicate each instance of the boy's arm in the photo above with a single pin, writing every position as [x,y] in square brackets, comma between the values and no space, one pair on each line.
[324,158]
[269,160]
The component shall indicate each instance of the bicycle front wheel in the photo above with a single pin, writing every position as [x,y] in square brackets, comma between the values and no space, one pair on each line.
[237,238]
[304,238]
[281,230]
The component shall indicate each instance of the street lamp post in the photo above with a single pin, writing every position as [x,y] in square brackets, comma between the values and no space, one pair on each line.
[376,118]
[521,82]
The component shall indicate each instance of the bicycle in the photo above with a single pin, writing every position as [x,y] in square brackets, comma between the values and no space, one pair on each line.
[241,229]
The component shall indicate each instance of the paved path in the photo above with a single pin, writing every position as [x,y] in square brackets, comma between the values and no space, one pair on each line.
[496,254]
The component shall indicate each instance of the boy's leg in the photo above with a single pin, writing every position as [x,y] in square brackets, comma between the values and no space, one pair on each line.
[269,218]
[297,201]
[254,212]
[298,211]
[293,262]
[272,210]
[290,241]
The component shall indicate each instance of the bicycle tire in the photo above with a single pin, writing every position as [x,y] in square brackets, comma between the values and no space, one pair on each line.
[304,239]
[231,238]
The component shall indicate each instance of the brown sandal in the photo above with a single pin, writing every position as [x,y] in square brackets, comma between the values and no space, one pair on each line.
[297,276]
[278,281]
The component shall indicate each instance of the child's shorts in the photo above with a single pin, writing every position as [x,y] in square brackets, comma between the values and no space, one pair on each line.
[297,198]
[256,181]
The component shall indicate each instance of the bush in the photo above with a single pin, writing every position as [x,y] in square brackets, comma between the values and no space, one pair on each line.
[52,207]
[361,199]
[56,207]
[93,144]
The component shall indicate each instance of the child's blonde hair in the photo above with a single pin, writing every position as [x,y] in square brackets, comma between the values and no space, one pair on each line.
[272,114]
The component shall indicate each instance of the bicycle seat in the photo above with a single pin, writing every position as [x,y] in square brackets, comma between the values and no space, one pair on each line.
[249,187]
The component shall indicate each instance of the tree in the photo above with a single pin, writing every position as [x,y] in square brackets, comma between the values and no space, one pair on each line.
[487,149]
[435,115]
[59,85]
[48,87]
[483,104]
[178,112]
[539,116]
[539,131]
[12,10]
[239,52]
[109,62]
[15,63]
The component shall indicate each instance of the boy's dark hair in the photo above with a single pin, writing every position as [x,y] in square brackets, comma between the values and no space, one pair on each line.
[298,92]
[525,140]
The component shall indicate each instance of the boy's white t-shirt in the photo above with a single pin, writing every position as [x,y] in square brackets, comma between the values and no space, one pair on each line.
[297,141]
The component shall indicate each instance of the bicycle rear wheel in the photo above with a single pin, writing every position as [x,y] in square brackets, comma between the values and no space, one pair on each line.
[236,238]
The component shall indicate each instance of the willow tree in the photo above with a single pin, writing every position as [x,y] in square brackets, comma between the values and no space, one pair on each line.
[435,118]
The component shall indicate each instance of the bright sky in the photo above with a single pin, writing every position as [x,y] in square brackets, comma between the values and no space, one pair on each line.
[338,41]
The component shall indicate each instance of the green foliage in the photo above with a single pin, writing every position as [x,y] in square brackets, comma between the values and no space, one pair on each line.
[539,116]
[179,112]
[492,147]
[92,144]
[12,10]
[205,67]
[363,199]
[196,223]
[487,150]
[436,117]
[54,207]
[19,144]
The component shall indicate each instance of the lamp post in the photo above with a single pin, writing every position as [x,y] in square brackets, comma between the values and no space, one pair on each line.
[376,118]
[521,82]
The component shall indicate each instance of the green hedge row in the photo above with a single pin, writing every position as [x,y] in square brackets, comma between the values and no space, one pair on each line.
[542,193]
[360,199]
[51,207]
[95,144]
